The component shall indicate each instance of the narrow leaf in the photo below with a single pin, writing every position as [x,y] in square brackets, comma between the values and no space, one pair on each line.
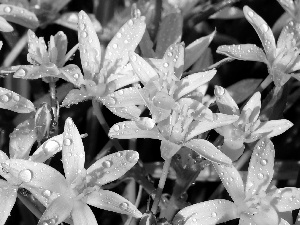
[8,196]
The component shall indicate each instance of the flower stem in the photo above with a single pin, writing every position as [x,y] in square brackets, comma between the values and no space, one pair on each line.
[161,185]
[53,105]
[265,83]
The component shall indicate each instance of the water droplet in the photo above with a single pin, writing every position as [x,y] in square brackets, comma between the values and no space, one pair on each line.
[4,98]
[84,34]
[46,193]
[16,98]
[25,175]
[119,35]
[51,146]
[7,9]
[76,75]
[116,127]
[130,22]
[250,13]
[260,176]
[20,73]
[124,206]
[263,162]
[115,46]
[264,27]
[67,142]
[107,164]
[219,91]
[82,26]
[166,64]
[214,214]
[132,156]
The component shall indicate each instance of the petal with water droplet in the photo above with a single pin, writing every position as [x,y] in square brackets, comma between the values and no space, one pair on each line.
[261,168]
[194,50]
[36,72]
[82,214]
[42,175]
[272,128]
[131,129]
[286,199]
[61,44]
[48,149]
[89,46]
[232,181]
[192,82]
[19,15]
[22,139]
[263,30]
[173,60]
[8,196]
[225,102]
[125,41]
[253,106]
[73,155]
[170,32]
[248,52]
[207,150]
[72,74]
[208,212]
[75,96]
[14,102]
[111,201]
[168,149]
[129,112]
[57,211]
[111,167]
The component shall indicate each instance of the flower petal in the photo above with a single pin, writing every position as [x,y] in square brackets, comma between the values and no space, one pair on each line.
[261,168]
[75,96]
[286,199]
[48,149]
[208,212]
[89,46]
[36,175]
[22,139]
[170,31]
[128,112]
[133,129]
[232,181]
[263,30]
[192,82]
[73,155]
[15,102]
[207,150]
[174,58]
[72,74]
[288,6]
[5,26]
[61,45]
[194,50]
[248,52]
[111,167]
[199,127]
[82,214]
[123,97]
[125,41]
[272,128]
[225,102]
[233,148]
[8,196]
[253,106]
[168,149]
[111,201]
[19,15]
[57,211]
[142,68]
[36,72]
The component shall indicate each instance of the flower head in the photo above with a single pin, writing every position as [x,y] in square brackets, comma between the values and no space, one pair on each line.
[282,59]
[70,195]
[248,128]
[254,203]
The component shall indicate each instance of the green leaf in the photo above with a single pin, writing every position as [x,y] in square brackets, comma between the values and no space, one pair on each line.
[15,102]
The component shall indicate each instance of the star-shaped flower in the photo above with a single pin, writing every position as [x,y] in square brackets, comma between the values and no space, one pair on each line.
[255,203]
[191,119]
[282,59]
[248,128]
[69,195]
[103,77]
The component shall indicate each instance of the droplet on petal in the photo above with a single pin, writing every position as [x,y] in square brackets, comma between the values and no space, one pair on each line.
[132,156]
[67,142]
[124,206]
[51,146]
[107,164]
[26,175]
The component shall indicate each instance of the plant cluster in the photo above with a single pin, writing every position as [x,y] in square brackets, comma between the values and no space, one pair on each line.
[159,87]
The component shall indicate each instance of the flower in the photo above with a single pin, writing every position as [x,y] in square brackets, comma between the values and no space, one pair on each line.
[248,128]
[69,195]
[189,120]
[102,78]
[282,59]
[255,203]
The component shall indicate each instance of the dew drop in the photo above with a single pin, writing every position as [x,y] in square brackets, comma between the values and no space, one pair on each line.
[263,162]
[264,27]
[132,156]
[46,193]
[260,176]
[166,64]
[214,214]
[130,22]
[51,146]
[107,164]
[116,127]
[20,73]
[25,175]
[124,206]
[16,98]
[67,142]
[115,46]
[7,9]
[250,13]
[76,76]
[219,91]
[119,35]
[4,98]
[84,34]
